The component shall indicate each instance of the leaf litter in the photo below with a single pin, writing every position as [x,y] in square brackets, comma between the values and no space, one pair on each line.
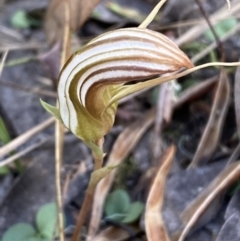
[195,197]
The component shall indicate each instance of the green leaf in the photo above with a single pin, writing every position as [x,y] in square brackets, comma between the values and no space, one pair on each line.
[134,212]
[4,138]
[46,220]
[51,109]
[221,28]
[19,232]
[117,217]
[37,239]
[4,170]
[20,20]
[4,135]
[117,202]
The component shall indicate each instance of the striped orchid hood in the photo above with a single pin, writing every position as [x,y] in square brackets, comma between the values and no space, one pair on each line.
[93,75]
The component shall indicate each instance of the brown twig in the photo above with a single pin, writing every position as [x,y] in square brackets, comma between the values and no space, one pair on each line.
[88,199]
[59,129]
[217,39]
[20,87]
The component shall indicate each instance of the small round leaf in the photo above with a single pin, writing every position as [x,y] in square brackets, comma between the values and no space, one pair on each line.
[117,202]
[133,213]
[118,217]
[19,232]
[46,220]
[36,239]
[20,20]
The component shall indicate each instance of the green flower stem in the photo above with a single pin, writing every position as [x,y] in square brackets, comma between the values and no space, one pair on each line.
[88,199]
[98,157]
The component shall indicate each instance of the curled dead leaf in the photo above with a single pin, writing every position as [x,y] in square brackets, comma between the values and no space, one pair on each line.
[200,205]
[212,132]
[154,224]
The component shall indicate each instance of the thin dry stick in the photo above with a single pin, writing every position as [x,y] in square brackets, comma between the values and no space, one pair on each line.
[58,162]
[187,23]
[3,61]
[22,153]
[59,131]
[37,91]
[25,137]
[218,41]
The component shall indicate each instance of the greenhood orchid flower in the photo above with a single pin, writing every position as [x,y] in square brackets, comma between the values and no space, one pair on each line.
[94,75]
[92,81]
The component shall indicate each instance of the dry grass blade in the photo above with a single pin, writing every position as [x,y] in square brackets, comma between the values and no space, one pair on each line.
[79,12]
[25,137]
[154,225]
[152,15]
[213,128]
[237,98]
[3,61]
[230,229]
[22,153]
[21,46]
[35,90]
[122,147]
[10,33]
[196,209]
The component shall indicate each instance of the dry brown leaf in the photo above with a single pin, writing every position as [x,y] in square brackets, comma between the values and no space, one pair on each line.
[199,206]
[212,132]
[154,224]
[122,147]
[79,12]
[230,229]
[110,234]
[237,98]
[163,115]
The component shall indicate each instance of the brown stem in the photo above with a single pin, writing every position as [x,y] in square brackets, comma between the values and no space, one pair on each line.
[82,215]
